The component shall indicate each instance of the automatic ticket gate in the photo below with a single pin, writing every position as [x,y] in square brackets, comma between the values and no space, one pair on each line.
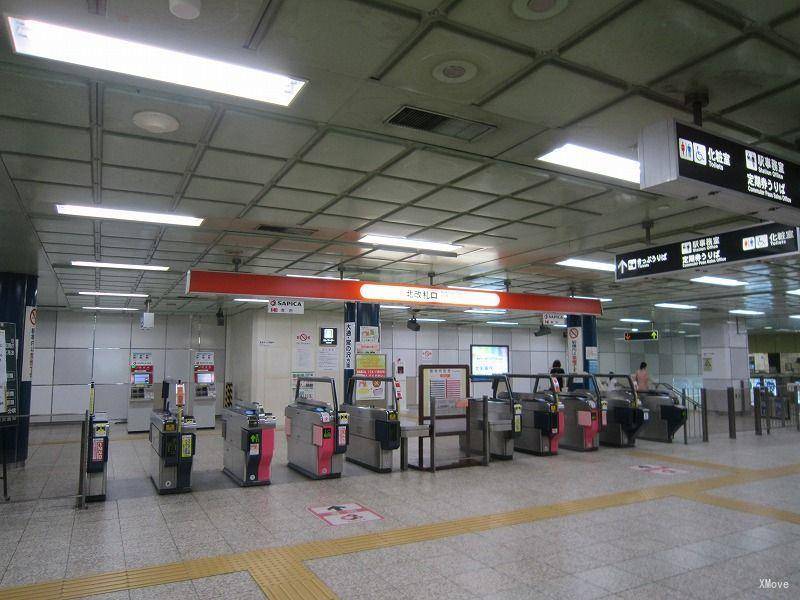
[626,416]
[502,417]
[667,416]
[542,415]
[374,430]
[97,457]
[316,433]
[172,448]
[249,434]
[585,413]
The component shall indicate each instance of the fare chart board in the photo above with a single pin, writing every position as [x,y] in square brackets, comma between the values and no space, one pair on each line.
[769,240]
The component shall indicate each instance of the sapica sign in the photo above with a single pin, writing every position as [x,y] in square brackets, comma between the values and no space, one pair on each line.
[286,307]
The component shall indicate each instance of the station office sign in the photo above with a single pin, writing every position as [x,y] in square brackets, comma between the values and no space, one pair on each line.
[686,162]
[761,241]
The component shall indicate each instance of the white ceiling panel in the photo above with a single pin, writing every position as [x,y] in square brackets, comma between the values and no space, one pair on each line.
[276,216]
[117,253]
[559,191]
[40,197]
[134,201]
[508,208]
[133,180]
[65,238]
[391,229]
[127,151]
[433,167]
[441,47]
[126,242]
[456,200]
[611,202]
[552,96]
[242,167]
[222,190]
[352,152]
[189,234]
[135,230]
[181,246]
[319,179]
[48,170]
[260,135]
[26,137]
[761,12]
[650,39]
[363,209]
[521,231]
[559,217]
[529,27]
[390,189]
[209,209]
[119,106]
[414,215]
[499,179]
[471,223]
[773,114]
[295,199]
[335,222]
[438,235]
[44,98]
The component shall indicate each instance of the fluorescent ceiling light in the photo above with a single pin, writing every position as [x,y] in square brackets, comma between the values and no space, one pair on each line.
[501,323]
[593,298]
[486,311]
[770,326]
[427,295]
[259,300]
[794,292]
[693,335]
[634,329]
[107,265]
[394,307]
[114,294]
[594,161]
[74,46]
[742,311]
[421,320]
[718,281]
[96,212]
[790,316]
[322,277]
[681,331]
[674,305]
[560,325]
[691,324]
[630,320]
[587,264]
[620,329]
[398,242]
[109,308]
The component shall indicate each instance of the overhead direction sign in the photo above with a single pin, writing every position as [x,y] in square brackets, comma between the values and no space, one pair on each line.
[761,241]
[631,336]
[682,161]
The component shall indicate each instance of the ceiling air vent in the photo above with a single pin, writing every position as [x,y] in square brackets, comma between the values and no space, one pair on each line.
[285,230]
[425,120]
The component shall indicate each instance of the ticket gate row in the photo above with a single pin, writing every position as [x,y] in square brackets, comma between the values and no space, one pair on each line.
[374,422]
[249,443]
[668,416]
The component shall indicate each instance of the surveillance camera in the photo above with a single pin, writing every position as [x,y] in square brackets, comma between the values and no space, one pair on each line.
[220,317]
[412,324]
[543,330]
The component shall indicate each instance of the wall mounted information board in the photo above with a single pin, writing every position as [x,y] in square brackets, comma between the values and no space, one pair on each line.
[488,360]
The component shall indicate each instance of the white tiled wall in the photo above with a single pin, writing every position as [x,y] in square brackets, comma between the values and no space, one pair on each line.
[74,348]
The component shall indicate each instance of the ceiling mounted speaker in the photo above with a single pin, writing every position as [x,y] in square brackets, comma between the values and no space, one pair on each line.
[155,122]
[454,71]
[185,9]
[538,10]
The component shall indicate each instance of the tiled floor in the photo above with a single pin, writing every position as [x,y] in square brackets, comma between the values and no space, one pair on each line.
[668,547]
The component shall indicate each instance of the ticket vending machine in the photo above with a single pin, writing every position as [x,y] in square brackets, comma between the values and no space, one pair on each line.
[140,399]
[204,390]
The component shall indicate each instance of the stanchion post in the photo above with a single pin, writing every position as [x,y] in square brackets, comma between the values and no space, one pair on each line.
[432,442]
[486,448]
[80,501]
[704,413]
[757,409]
[685,425]
[731,414]
[770,408]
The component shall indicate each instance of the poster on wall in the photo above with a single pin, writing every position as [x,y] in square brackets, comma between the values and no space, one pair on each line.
[447,386]
[303,355]
[327,359]
[369,334]
[370,365]
[2,371]
[306,388]
[28,343]
[575,350]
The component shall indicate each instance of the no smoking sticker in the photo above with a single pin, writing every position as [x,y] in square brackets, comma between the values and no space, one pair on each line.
[345,513]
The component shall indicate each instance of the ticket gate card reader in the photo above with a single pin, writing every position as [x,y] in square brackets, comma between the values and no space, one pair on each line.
[317,434]
[204,390]
[249,434]
[172,449]
[667,416]
[542,415]
[504,420]
[374,430]
[585,413]
[626,416]
[140,397]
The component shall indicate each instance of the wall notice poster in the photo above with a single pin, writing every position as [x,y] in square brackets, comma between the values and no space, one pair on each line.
[369,333]
[370,365]
[306,387]
[28,343]
[328,359]
[2,371]
[447,386]
[575,350]
[349,345]
[303,354]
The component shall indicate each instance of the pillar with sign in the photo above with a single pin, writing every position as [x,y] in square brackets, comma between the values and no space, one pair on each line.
[723,360]
[581,344]
[362,322]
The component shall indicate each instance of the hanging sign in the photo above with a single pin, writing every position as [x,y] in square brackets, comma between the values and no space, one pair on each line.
[28,343]
[631,336]
[761,241]
[3,376]
[575,350]
[286,307]
[349,345]
[554,319]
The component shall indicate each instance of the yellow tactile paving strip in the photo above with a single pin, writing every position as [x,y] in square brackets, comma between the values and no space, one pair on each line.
[281,574]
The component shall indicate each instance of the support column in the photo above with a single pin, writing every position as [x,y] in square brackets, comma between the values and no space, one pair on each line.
[356,316]
[17,294]
[723,360]
[587,343]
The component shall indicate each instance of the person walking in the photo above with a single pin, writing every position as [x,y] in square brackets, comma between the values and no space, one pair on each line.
[642,378]
[557,369]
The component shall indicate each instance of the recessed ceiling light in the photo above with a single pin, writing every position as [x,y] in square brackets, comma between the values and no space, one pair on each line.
[108,265]
[257,300]
[631,320]
[397,242]
[155,122]
[674,305]
[394,307]
[537,10]
[742,311]
[486,311]
[718,281]
[593,298]
[421,320]
[501,323]
[96,212]
[74,46]
[114,294]
[122,308]
[185,9]
[322,277]
[594,161]
[587,264]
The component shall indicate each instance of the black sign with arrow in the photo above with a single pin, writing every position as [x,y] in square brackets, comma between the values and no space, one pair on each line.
[631,336]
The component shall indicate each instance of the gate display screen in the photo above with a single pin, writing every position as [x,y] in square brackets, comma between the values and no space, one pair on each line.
[488,360]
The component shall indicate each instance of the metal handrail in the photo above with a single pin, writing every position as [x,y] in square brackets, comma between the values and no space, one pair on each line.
[679,393]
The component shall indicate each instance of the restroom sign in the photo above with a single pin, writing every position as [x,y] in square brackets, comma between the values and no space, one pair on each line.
[286,307]
[345,513]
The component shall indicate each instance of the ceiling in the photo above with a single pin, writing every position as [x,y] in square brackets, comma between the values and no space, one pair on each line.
[330,166]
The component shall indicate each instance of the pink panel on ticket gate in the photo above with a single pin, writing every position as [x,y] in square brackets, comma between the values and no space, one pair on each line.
[584,418]
[591,431]
[288,427]
[267,450]
[604,418]
[555,437]
[342,435]
[325,448]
